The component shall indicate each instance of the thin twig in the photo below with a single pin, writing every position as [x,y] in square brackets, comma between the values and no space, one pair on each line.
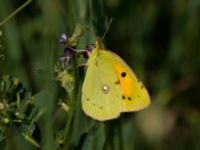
[15,12]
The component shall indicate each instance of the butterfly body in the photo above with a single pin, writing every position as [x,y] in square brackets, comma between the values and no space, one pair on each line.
[110,87]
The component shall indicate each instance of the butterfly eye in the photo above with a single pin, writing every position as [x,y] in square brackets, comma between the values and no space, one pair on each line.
[90,47]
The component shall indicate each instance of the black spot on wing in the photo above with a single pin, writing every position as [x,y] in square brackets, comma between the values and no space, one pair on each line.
[117,82]
[123,74]
[129,98]
[141,85]
[96,64]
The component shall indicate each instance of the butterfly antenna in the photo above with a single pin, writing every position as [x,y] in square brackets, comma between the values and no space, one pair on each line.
[107,27]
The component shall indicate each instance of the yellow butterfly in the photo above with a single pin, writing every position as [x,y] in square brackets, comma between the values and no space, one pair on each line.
[110,86]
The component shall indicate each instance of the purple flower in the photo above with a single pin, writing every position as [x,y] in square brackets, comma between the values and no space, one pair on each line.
[68,54]
[63,39]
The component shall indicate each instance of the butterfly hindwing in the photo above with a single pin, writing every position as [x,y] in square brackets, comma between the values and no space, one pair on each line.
[101,95]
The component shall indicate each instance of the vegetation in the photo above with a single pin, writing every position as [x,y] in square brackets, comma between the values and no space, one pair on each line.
[40,95]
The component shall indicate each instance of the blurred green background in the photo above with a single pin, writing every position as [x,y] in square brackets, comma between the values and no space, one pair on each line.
[160,40]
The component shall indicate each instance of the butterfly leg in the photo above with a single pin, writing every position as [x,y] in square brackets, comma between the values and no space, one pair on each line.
[82,65]
[80,51]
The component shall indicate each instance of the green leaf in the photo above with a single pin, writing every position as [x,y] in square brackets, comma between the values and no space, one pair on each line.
[95,138]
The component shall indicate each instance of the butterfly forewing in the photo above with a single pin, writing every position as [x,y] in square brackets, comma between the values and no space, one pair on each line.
[134,95]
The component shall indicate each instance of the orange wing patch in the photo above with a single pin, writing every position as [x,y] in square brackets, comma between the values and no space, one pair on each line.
[125,82]
[134,95]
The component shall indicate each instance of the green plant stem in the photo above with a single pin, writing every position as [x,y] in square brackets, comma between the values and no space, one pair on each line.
[67,127]
[72,95]
[113,134]
[15,12]
[73,98]
[7,140]
[70,16]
